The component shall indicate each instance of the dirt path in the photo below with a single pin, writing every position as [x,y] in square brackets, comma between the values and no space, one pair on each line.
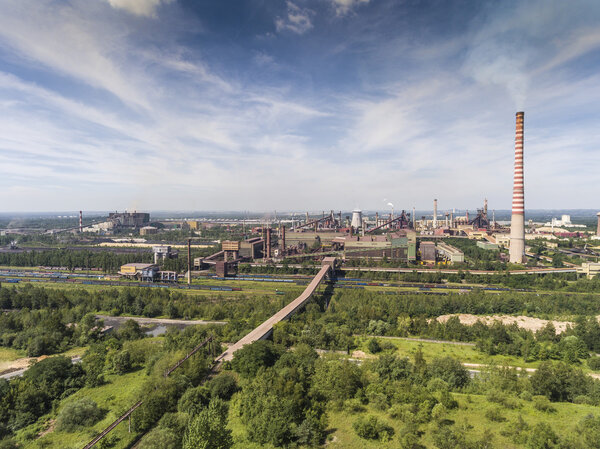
[16,365]
[420,340]
[165,321]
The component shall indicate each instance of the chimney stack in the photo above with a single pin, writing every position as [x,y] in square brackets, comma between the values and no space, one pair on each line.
[517,222]
[435,213]
[80,222]
[189,261]
[598,230]
[414,217]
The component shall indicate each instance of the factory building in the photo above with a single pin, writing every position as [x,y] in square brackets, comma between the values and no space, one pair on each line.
[252,248]
[162,252]
[589,269]
[449,253]
[140,271]
[148,230]
[428,252]
[129,219]
[399,245]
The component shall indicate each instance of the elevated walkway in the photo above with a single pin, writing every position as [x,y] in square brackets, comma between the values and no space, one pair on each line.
[264,330]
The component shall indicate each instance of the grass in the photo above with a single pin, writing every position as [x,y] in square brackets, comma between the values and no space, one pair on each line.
[116,396]
[466,354]
[470,415]
[9,354]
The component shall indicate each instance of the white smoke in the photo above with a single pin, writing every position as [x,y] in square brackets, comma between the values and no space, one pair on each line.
[391,205]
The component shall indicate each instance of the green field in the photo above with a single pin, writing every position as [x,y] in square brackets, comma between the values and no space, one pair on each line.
[120,393]
[470,415]
[464,353]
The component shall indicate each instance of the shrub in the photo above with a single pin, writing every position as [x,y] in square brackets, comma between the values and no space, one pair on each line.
[370,428]
[495,415]
[542,404]
[223,386]
[450,370]
[542,437]
[373,346]
[353,406]
[594,363]
[250,358]
[77,414]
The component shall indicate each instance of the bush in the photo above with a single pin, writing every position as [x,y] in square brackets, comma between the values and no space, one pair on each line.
[78,414]
[594,363]
[223,386]
[495,415]
[248,360]
[450,370]
[542,404]
[370,428]
[542,437]
[373,346]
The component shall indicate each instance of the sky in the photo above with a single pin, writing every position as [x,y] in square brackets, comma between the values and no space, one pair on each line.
[297,105]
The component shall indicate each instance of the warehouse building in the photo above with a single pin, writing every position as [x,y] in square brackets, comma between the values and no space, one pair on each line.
[450,253]
[140,271]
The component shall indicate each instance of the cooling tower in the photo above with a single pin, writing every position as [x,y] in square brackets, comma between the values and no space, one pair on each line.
[517,222]
[356,219]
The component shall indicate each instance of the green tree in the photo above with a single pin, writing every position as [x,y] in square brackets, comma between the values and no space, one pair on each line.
[450,370]
[208,430]
[248,360]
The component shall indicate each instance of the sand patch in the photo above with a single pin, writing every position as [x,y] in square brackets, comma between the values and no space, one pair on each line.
[524,322]
[15,365]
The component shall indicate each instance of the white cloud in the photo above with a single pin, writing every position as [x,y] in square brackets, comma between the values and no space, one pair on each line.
[343,7]
[145,8]
[297,19]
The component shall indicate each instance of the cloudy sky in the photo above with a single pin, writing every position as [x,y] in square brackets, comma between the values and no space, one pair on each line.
[294,105]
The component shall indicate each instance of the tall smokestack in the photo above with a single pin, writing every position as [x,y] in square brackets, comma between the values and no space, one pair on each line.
[268,243]
[598,230]
[517,222]
[189,251]
[435,213]
[414,217]
[80,222]
[283,239]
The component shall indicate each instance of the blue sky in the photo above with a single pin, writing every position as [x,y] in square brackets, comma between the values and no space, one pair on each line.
[294,105]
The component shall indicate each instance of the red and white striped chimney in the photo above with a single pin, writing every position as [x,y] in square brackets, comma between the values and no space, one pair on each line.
[80,222]
[517,223]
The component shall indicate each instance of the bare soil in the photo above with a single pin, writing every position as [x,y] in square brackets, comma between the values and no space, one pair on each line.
[524,322]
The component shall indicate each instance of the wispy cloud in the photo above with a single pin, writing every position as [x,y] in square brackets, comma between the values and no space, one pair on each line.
[98,108]
[343,7]
[146,8]
[296,20]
